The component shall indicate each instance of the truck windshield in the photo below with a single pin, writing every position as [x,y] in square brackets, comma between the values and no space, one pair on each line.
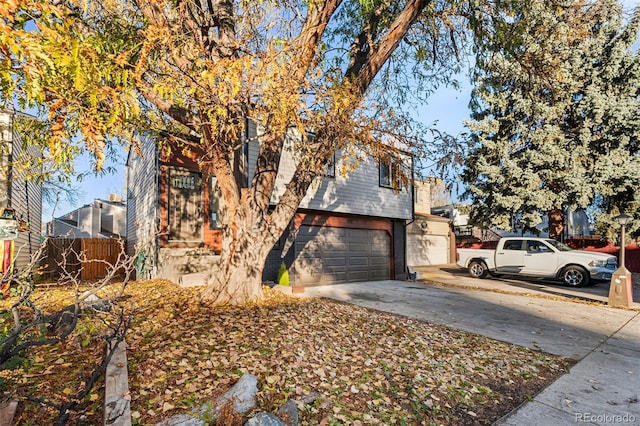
[558,245]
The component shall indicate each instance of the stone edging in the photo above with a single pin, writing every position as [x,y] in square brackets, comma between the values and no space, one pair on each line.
[117,399]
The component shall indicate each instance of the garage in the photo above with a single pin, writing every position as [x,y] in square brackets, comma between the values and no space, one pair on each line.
[424,250]
[328,255]
[428,242]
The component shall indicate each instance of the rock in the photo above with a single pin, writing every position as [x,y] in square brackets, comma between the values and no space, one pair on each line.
[93,302]
[265,419]
[182,420]
[242,395]
[288,413]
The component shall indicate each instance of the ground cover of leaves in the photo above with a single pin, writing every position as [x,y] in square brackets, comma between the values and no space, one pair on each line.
[368,367]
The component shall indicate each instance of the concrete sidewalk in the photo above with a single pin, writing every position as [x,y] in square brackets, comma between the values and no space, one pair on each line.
[602,388]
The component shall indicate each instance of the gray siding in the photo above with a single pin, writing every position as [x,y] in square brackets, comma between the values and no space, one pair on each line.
[142,208]
[357,192]
[253,149]
[22,195]
[113,219]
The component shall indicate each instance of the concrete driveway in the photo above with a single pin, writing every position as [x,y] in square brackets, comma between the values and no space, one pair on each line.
[601,388]
[559,327]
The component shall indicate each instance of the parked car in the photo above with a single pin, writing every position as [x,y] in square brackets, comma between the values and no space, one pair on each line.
[540,258]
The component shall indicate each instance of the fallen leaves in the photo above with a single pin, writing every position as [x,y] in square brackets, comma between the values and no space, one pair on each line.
[369,367]
[361,366]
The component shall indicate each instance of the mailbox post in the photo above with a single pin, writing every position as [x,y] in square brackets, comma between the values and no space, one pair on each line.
[621,289]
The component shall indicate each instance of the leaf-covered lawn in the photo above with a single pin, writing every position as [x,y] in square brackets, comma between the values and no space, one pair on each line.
[368,367]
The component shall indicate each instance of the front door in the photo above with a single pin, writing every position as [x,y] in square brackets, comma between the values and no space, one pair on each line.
[185,207]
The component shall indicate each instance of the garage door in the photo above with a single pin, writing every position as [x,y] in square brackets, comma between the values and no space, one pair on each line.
[327,255]
[423,250]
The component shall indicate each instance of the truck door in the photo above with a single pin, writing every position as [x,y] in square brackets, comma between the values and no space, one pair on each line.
[510,258]
[539,259]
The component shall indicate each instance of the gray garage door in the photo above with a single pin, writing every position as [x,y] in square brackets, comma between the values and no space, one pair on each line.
[334,255]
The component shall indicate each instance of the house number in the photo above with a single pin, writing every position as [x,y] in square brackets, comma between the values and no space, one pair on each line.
[184,182]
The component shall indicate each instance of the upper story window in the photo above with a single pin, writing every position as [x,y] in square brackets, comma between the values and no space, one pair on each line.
[390,173]
[330,168]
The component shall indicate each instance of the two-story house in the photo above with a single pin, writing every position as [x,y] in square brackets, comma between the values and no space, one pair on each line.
[22,196]
[99,219]
[347,228]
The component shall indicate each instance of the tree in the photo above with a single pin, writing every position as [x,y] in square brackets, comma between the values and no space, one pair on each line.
[556,122]
[439,193]
[32,321]
[191,72]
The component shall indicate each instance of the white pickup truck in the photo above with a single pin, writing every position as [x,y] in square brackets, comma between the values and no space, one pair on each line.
[538,257]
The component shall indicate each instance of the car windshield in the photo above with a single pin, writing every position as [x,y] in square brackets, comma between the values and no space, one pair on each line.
[558,245]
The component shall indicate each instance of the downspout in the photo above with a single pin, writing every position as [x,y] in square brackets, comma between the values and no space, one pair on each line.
[158,219]
[10,159]
[26,192]
[413,218]
[245,149]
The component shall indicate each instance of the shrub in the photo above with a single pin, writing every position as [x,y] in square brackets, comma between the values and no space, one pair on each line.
[283,275]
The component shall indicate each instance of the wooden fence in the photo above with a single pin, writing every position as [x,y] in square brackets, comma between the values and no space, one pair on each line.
[86,258]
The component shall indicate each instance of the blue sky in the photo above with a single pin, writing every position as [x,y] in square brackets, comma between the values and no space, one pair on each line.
[90,187]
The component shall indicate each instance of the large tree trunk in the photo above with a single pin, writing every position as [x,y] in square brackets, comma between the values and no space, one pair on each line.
[238,276]
[247,242]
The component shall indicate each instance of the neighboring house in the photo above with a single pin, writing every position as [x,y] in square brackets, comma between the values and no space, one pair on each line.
[347,228]
[100,219]
[21,195]
[430,240]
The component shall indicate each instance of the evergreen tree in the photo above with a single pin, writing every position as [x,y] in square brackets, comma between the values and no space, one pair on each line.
[556,116]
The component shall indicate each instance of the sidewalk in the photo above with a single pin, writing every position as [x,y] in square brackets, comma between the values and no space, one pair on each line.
[602,388]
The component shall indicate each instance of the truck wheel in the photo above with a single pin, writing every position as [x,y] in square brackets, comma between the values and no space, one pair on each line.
[575,276]
[478,269]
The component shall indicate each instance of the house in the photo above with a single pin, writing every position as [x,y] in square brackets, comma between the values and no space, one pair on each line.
[347,228]
[100,219]
[20,198]
[430,239]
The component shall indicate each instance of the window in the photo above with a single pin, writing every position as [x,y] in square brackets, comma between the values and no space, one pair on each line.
[391,173]
[537,247]
[214,203]
[330,168]
[513,245]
